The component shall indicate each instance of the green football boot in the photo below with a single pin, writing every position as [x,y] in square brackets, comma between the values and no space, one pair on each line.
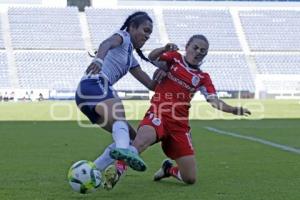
[132,159]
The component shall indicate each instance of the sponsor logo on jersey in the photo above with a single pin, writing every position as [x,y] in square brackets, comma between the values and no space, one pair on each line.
[156,121]
[195,80]
[180,82]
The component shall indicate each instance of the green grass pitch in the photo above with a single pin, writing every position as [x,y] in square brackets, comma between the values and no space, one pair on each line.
[39,142]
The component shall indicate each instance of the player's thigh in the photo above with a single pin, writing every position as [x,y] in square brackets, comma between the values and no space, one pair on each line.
[110,110]
[146,136]
[132,132]
[188,169]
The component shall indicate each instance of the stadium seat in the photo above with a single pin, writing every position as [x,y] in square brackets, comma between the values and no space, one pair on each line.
[216,25]
[45,28]
[278,64]
[50,70]
[4,76]
[104,22]
[271,30]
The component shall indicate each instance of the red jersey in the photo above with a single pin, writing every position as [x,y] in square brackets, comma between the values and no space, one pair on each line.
[174,93]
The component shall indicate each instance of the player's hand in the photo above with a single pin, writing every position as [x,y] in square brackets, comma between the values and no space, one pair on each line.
[159,75]
[95,67]
[241,111]
[92,54]
[171,47]
[161,65]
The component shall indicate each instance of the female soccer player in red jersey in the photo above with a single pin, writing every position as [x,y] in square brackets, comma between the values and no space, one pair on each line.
[167,118]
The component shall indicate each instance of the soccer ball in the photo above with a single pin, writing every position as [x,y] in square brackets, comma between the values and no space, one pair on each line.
[84,177]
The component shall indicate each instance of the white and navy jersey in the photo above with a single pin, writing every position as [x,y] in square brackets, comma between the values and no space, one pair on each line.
[119,60]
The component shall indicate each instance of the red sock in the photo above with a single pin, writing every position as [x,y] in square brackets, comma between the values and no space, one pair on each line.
[121,166]
[174,171]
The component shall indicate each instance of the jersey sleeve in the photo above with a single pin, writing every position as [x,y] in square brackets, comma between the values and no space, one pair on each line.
[125,37]
[207,88]
[168,57]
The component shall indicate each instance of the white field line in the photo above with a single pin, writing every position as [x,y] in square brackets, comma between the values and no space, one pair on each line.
[254,139]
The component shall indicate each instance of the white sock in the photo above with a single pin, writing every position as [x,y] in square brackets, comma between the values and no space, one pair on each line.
[179,176]
[120,134]
[132,148]
[104,160]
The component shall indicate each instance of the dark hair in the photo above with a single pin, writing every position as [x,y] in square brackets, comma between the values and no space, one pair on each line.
[136,19]
[201,37]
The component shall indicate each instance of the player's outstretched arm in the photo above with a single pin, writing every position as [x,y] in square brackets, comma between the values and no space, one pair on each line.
[156,53]
[143,77]
[221,105]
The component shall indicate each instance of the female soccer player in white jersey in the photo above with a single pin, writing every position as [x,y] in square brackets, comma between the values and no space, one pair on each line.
[96,97]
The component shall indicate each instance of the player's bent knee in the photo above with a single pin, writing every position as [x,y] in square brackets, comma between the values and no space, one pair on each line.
[140,144]
[189,181]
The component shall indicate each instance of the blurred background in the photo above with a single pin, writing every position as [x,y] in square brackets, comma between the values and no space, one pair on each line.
[254,45]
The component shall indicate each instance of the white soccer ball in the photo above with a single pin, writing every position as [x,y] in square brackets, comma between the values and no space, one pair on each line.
[84,177]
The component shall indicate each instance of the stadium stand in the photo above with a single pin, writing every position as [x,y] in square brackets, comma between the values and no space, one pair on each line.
[217,25]
[52,70]
[48,47]
[22,1]
[272,30]
[278,64]
[1,37]
[229,72]
[104,22]
[4,80]
[45,28]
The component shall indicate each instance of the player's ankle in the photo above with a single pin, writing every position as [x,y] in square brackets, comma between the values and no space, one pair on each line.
[121,166]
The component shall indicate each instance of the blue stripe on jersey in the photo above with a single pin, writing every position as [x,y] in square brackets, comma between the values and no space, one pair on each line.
[129,55]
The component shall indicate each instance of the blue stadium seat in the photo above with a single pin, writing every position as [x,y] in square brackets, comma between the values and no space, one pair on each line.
[50,70]
[104,22]
[45,28]
[278,64]
[1,37]
[216,25]
[229,72]
[4,76]
[271,30]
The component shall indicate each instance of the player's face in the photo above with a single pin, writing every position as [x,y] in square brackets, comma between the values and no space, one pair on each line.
[140,34]
[196,51]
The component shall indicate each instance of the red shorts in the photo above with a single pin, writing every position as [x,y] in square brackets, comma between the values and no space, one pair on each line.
[175,138]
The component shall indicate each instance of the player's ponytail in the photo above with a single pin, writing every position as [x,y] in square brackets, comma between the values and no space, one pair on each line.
[142,56]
